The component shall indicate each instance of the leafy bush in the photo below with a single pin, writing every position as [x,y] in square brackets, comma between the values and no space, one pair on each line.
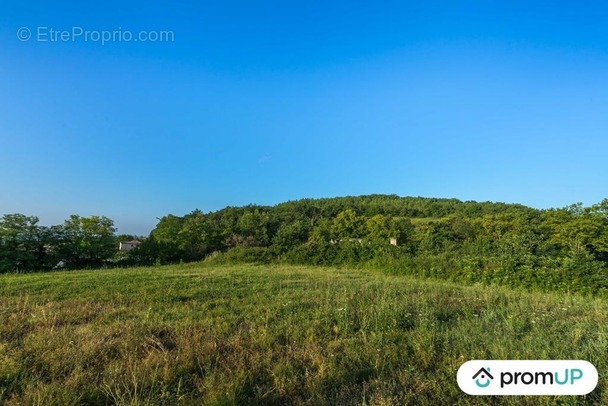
[249,255]
[313,253]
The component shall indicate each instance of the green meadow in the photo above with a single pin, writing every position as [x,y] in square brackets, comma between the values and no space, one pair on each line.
[201,334]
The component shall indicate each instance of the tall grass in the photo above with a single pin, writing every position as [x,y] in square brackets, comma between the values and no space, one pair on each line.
[197,334]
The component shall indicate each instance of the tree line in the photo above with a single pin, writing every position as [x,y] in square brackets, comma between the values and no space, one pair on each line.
[80,242]
[562,249]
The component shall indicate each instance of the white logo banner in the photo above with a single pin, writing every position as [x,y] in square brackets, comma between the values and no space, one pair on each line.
[529,377]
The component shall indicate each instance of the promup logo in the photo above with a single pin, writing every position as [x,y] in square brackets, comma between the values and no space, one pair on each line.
[567,377]
[483,374]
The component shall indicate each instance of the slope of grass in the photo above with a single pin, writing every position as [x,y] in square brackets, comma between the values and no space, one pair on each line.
[195,334]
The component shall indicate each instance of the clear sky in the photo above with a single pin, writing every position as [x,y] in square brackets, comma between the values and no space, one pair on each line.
[267,101]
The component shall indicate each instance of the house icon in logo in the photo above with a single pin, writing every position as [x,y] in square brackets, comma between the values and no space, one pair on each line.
[483,373]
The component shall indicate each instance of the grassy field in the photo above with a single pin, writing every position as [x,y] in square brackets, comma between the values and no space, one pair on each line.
[196,334]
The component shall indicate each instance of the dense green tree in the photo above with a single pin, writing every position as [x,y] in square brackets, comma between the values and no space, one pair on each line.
[152,251]
[253,225]
[380,228]
[290,235]
[322,231]
[168,229]
[348,224]
[87,241]
[194,236]
[574,230]
[22,243]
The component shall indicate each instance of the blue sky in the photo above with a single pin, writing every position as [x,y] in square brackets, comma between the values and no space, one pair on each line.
[263,102]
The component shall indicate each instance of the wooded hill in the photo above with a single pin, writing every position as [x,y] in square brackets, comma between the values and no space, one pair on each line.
[557,249]
[564,249]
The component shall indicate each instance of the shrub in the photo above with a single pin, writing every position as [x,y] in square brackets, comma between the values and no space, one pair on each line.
[255,255]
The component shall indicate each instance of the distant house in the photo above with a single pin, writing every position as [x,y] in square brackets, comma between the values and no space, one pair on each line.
[392,240]
[128,245]
[60,265]
[359,240]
